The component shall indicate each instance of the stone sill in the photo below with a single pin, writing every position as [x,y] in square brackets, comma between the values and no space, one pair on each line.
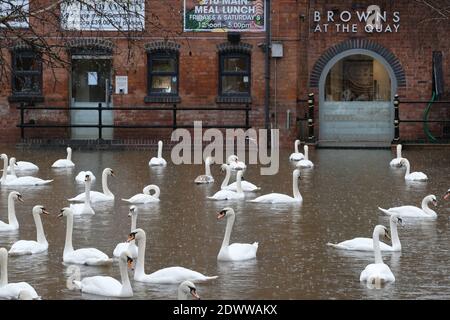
[162,99]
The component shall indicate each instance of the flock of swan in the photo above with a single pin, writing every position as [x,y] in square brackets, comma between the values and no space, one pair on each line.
[132,251]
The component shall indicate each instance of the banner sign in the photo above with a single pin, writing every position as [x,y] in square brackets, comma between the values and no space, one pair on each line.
[103,15]
[14,14]
[224,15]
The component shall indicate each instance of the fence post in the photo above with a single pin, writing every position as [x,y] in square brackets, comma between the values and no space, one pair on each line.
[247,120]
[100,121]
[311,137]
[22,117]
[396,119]
[174,117]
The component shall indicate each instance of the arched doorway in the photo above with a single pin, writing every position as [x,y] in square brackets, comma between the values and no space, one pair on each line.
[356,90]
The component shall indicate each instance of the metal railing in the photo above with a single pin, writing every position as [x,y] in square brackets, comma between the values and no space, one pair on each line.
[174,125]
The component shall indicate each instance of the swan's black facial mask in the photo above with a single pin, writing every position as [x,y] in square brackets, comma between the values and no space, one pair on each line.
[193,292]
[61,213]
[131,236]
[19,197]
[44,211]
[130,262]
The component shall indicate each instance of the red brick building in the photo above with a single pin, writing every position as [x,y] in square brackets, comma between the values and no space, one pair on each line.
[184,54]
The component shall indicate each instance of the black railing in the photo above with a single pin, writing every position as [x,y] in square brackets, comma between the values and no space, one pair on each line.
[174,125]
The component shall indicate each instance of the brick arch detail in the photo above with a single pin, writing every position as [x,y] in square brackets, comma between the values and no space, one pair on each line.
[365,44]
[241,47]
[162,45]
[97,43]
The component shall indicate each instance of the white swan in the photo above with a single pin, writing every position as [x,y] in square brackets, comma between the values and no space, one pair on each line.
[397,162]
[366,244]
[108,286]
[24,166]
[145,197]
[84,208]
[235,251]
[12,224]
[230,195]
[82,175]
[305,163]
[235,164]
[23,247]
[169,275]
[87,256]
[413,176]
[96,196]
[159,160]
[65,163]
[207,177]
[5,176]
[23,181]
[245,185]
[129,246]
[377,272]
[187,289]
[415,212]
[296,156]
[283,198]
[12,290]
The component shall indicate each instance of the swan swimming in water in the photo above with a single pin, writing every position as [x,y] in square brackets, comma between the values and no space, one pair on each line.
[235,251]
[65,163]
[377,272]
[283,198]
[96,196]
[171,275]
[5,176]
[82,174]
[235,164]
[296,156]
[84,208]
[207,177]
[145,197]
[129,246]
[23,247]
[87,256]
[305,163]
[12,290]
[23,181]
[108,286]
[366,244]
[245,185]
[230,195]
[24,166]
[397,162]
[415,212]
[159,160]
[413,176]
[12,224]
[186,290]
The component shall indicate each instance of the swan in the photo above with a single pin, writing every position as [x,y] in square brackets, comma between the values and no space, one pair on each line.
[235,164]
[87,256]
[414,212]
[169,275]
[84,208]
[82,174]
[296,156]
[397,162]
[447,195]
[12,290]
[283,198]
[96,196]
[414,176]
[130,246]
[24,166]
[207,177]
[366,244]
[108,286]
[245,185]
[5,176]
[23,247]
[12,224]
[187,289]
[145,197]
[377,272]
[23,181]
[159,160]
[235,251]
[305,163]
[230,195]
[65,163]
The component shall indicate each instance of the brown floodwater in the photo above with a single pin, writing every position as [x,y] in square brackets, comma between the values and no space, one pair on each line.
[341,195]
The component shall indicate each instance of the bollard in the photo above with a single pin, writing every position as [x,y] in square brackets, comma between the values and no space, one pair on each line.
[311,117]
[396,119]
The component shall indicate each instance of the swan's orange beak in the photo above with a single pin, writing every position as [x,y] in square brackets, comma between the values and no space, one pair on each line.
[435,202]
[131,237]
[130,263]
[194,294]
[220,215]
[447,195]
[44,211]
[19,197]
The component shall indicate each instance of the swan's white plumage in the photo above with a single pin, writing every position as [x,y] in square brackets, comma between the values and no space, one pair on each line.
[228,194]
[283,198]
[235,164]
[23,181]
[82,174]
[96,196]
[84,208]
[145,197]
[12,224]
[414,212]
[397,162]
[296,155]
[305,163]
[413,176]
[65,163]
[159,160]
[207,177]
[5,176]
[24,166]
[246,186]
[129,247]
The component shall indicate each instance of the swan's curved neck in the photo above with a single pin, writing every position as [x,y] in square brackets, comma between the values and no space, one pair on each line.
[140,267]
[4,270]
[396,245]
[207,168]
[157,191]
[69,154]
[105,188]
[306,153]
[5,170]
[126,285]
[12,168]
[238,182]
[426,208]
[376,247]
[408,167]
[296,146]
[12,219]
[227,178]
[40,235]
[87,192]
[295,189]
[399,151]
[181,295]
[133,221]
[226,238]
[160,145]
[69,229]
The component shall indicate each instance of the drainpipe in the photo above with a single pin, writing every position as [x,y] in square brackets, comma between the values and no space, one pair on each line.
[268,46]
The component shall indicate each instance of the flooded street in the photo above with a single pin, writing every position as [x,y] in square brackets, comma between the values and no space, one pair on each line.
[340,199]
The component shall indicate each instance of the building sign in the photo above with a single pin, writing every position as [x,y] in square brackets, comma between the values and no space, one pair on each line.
[14,14]
[121,84]
[224,15]
[103,15]
[371,20]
